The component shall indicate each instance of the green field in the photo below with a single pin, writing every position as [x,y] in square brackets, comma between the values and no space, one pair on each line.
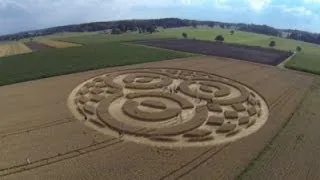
[105,50]
[55,62]
[308,60]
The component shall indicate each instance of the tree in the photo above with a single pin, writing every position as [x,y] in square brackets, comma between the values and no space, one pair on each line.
[151,29]
[219,38]
[143,29]
[232,32]
[299,48]
[185,35]
[272,43]
[122,28]
[194,24]
[135,28]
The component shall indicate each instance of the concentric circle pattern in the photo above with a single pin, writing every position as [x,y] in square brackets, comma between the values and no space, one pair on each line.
[169,107]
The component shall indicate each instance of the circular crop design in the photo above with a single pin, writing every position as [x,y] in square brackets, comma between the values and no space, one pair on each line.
[168,107]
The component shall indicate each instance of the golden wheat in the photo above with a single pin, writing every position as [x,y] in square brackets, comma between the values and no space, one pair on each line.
[58,44]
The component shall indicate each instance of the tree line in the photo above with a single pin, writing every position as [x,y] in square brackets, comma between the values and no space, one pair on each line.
[150,25]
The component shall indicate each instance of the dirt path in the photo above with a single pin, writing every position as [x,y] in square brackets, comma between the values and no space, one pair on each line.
[282,64]
[40,138]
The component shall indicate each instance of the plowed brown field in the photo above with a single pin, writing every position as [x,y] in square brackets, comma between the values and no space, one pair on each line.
[41,139]
[35,46]
[236,51]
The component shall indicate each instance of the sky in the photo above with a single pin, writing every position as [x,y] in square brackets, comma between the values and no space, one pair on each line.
[22,15]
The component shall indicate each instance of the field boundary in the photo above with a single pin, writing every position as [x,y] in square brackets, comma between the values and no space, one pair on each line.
[82,44]
[159,48]
[282,65]
[57,44]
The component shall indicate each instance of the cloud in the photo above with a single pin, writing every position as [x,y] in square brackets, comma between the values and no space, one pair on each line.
[11,3]
[223,4]
[311,1]
[300,11]
[258,5]
[21,15]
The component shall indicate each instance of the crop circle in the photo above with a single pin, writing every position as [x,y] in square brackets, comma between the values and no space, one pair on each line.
[169,107]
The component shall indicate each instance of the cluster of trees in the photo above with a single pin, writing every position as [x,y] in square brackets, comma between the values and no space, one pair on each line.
[116,27]
[141,29]
[260,29]
[149,25]
[142,26]
[304,36]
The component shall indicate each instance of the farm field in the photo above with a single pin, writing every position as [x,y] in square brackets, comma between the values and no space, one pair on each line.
[57,44]
[46,139]
[235,51]
[294,152]
[102,38]
[35,46]
[307,60]
[75,59]
[13,49]
[93,120]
